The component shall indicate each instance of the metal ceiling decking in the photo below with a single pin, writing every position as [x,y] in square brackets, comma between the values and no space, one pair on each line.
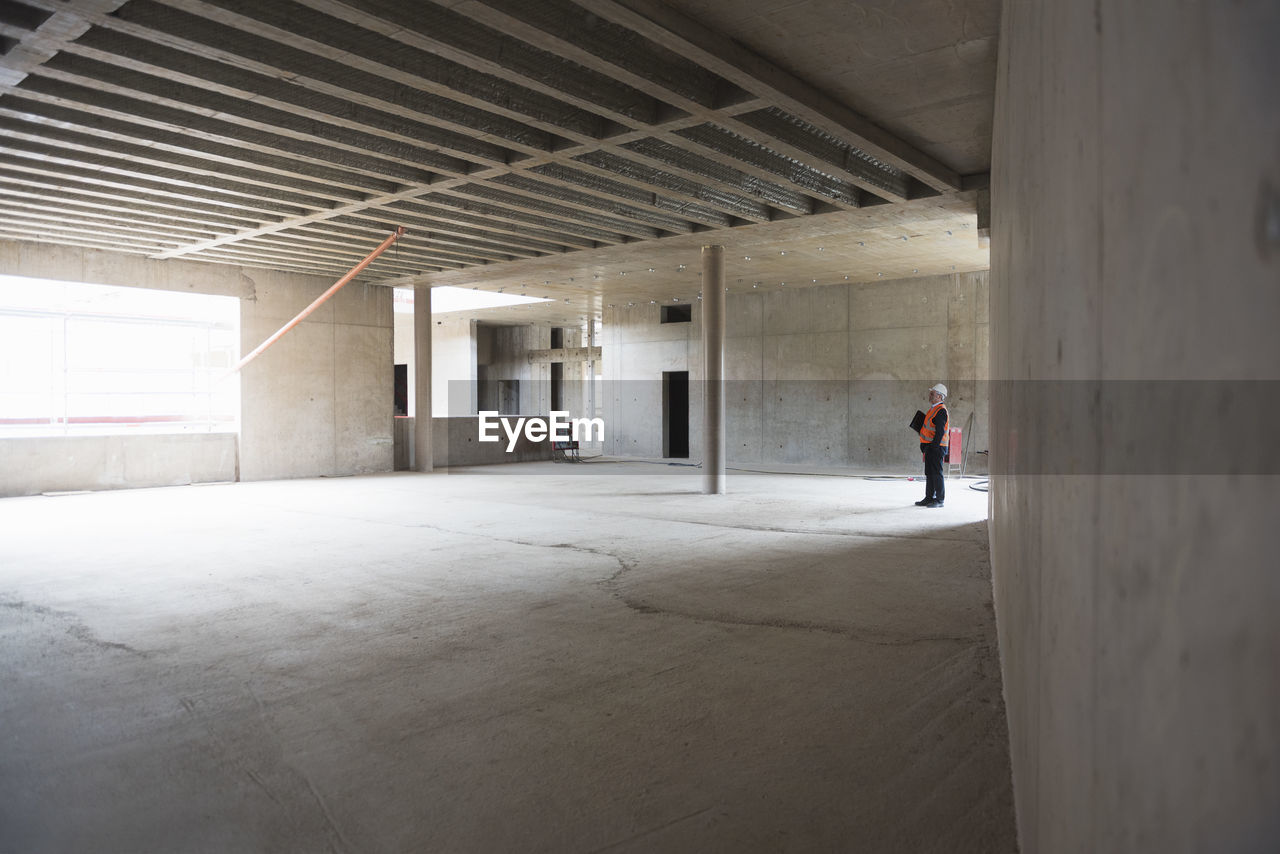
[294,134]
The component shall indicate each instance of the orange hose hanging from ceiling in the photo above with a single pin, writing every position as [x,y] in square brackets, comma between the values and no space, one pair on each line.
[337,286]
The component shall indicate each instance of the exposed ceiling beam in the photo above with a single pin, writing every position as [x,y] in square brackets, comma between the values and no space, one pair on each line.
[563,27]
[134,76]
[499,132]
[35,47]
[733,62]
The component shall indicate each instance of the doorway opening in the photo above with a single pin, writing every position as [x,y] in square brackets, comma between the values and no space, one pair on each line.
[401,395]
[675,414]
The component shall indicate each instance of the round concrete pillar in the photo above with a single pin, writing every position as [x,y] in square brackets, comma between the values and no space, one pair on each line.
[713,434]
[422,444]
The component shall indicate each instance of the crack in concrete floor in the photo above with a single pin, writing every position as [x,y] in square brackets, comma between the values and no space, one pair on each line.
[531,714]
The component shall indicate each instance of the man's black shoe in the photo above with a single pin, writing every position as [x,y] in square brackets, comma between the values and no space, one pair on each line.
[923,502]
[934,504]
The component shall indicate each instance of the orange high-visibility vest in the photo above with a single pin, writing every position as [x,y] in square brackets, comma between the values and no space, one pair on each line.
[926,432]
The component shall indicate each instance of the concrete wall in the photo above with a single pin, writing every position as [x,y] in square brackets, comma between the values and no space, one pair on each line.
[638,348]
[1135,235]
[824,376]
[573,385]
[317,403]
[456,443]
[462,350]
[30,466]
[453,362]
[508,359]
[503,354]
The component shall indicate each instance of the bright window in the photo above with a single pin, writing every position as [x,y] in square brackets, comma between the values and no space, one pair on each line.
[81,359]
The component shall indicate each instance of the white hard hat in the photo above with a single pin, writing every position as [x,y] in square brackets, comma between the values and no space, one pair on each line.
[940,389]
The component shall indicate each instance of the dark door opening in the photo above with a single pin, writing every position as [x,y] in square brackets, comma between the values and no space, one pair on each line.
[401,394]
[675,414]
[677,314]
[557,386]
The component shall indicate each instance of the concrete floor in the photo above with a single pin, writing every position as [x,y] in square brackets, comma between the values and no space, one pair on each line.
[520,658]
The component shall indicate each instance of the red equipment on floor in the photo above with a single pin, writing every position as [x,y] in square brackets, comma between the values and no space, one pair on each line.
[955,450]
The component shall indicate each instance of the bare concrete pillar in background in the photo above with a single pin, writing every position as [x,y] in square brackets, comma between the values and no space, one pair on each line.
[591,359]
[713,371]
[422,447]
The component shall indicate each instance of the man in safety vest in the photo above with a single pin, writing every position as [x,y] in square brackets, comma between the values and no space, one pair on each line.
[933,444]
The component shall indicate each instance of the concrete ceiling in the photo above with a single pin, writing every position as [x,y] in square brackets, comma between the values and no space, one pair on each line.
[581,151]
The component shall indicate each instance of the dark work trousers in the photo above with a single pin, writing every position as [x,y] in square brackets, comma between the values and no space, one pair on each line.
[934,485]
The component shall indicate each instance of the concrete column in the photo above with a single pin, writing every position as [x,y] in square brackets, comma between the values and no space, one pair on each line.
[713,372]
[591,360]
[422,448]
